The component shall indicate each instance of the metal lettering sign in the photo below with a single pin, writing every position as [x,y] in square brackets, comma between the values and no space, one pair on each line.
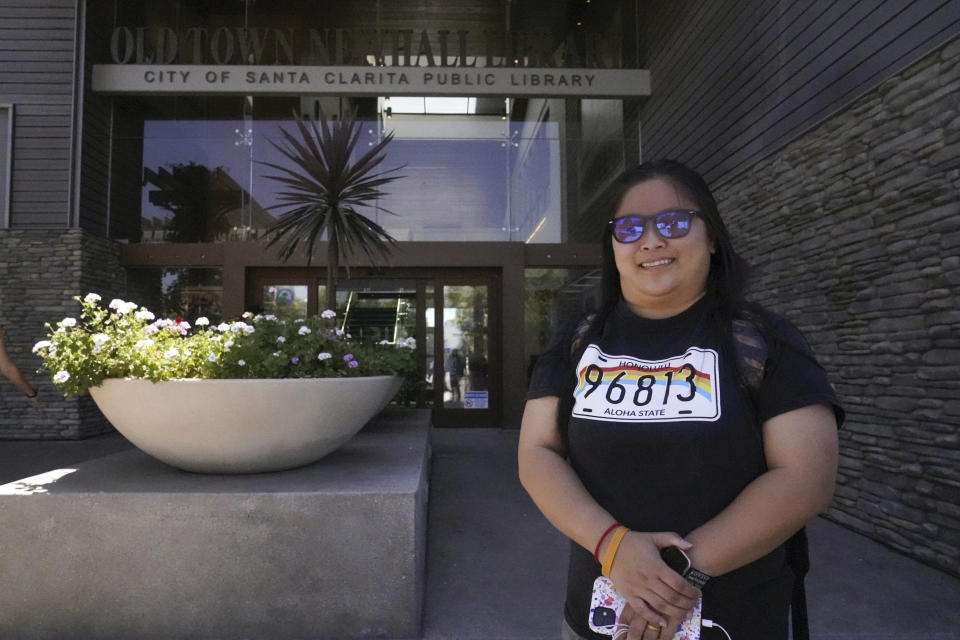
[371,81]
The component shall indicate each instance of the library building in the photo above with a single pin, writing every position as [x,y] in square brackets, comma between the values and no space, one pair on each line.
[140,140]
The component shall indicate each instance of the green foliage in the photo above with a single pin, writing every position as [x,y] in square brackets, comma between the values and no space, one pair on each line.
[122,341]
[326,185]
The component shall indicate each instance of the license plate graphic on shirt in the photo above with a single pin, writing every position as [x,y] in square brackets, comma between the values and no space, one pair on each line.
[625,389]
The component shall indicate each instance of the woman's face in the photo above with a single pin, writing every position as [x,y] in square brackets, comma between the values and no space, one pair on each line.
[661,277]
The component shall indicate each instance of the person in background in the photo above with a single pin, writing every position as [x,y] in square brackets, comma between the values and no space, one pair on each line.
[641,432]
[12,373]
[454,367]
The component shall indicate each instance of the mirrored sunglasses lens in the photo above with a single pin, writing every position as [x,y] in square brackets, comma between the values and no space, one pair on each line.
[628,229]
[674,224]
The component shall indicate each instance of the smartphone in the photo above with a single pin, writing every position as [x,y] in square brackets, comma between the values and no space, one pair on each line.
[676,559]
[606,605]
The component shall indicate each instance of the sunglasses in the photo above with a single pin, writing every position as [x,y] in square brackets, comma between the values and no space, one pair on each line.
[669,224]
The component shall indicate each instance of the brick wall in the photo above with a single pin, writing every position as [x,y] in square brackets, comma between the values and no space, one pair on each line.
[855,232]
[40,272]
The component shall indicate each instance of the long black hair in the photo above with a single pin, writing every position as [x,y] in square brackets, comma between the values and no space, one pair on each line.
[726,280]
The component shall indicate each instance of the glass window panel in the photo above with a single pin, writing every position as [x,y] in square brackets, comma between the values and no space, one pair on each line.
[466,343]
[463,177]
[552,297]
[178,292]
[376,310]
[286,301]
[429,342]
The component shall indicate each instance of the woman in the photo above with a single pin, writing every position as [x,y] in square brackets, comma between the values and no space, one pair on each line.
[641,416]
[12,373]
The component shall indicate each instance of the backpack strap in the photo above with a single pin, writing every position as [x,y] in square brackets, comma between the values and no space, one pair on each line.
[751,349]
[580,332]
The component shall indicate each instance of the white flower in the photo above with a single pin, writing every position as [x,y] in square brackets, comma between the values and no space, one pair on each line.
[144,314]
[241,362]
[238,327]
[184,325]
[60,377]
[43,344]
[248,328]
[92,297]
[298,320]
[212,358]
[68,322]
[410,343]
[228,344]
[123,308]
[304,331]
[270,317]
[100,339]
[349,336]
[329,313]
[143,344]
[276,354]
[171,353]
[384,342]
[324,356]
[339,332]
[246,314]
[223,326]
[96,350]
[281,339]
[187,352]
[202,321]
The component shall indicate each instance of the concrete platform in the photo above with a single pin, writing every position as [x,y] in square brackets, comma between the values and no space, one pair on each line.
[126,547]
[496,569]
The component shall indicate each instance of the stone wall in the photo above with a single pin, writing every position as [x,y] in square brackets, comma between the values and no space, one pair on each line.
[40,272]
[855,232]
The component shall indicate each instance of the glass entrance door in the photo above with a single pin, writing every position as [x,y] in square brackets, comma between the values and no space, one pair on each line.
[465,388]
[451,317]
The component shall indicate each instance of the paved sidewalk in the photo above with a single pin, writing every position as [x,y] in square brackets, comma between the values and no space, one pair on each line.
[496,568]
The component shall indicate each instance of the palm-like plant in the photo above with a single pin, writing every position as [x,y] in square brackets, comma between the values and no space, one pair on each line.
[325,189]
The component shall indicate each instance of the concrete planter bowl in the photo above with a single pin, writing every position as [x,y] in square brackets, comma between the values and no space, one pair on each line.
[242,426]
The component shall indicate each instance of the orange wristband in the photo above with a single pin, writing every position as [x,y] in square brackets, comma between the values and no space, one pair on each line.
[608,557]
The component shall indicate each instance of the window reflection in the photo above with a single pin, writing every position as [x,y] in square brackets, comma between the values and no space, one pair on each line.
[553,296]
[178,292]
[465,178]
[287,302]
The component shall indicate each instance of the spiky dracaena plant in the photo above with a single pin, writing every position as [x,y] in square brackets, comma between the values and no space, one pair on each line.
[325,188]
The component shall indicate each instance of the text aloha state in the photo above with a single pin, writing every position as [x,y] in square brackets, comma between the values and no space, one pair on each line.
[635,413]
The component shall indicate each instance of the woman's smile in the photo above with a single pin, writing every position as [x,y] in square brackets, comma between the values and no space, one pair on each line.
[660,277]
[656,263]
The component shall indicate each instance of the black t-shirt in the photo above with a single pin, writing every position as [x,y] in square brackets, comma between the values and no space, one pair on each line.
[664,438]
